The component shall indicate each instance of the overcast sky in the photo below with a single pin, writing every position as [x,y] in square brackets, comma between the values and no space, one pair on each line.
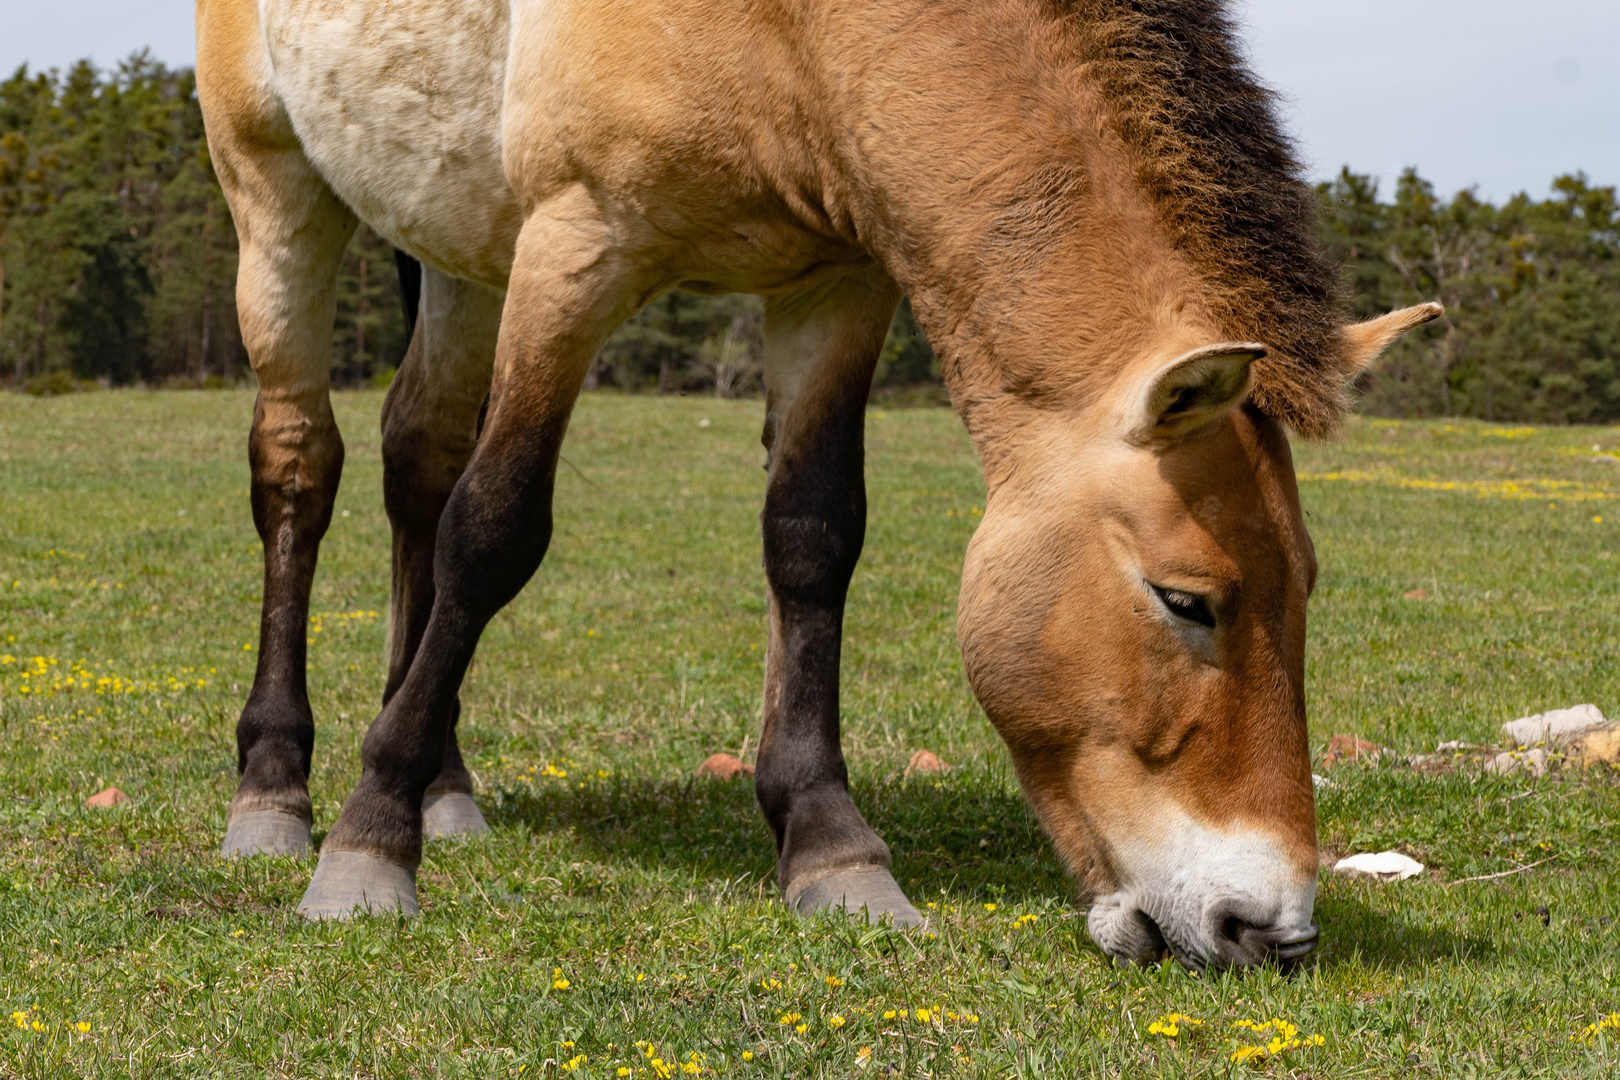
[1498,94]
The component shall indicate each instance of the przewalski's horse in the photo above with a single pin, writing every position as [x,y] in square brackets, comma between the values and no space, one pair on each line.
[1103,234]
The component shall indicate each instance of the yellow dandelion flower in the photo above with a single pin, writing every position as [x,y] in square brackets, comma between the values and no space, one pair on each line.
[989,907]
[833,980]
[835,1021]
[748,1055]
[623,1070]
[924,1015]
[1606,1023]
[82,1027]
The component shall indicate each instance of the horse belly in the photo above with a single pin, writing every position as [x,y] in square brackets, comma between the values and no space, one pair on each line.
[398,104]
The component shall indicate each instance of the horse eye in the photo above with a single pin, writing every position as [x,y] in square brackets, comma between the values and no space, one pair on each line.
[1185,605]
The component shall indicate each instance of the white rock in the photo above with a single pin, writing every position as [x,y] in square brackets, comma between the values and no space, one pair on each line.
[1556,724]
[1532,761]
[1385,866]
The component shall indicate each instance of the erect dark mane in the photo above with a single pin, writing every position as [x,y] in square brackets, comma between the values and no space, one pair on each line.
[1211,156]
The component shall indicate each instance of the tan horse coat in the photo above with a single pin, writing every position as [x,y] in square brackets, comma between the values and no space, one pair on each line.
[1105,238]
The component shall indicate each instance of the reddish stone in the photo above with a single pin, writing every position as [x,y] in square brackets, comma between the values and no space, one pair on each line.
[925,761]
[103,799]
[724,767]
[1349,748]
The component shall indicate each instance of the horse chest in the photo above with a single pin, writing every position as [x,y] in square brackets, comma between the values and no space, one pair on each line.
[398,104]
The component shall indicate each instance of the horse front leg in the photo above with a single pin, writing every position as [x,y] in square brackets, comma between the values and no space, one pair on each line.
[569,288]
[430,426]
[293,231]
[821,348]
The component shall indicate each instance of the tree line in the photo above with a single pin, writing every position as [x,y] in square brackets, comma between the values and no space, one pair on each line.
[118,266]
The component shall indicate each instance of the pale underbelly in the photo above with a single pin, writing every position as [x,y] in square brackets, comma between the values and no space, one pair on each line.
[398,105]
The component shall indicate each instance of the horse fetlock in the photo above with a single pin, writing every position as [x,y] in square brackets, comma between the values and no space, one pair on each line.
[388,828]
[350,883]
[822,835]
[287,799]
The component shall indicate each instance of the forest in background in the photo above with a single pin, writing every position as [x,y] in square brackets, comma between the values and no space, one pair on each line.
[118,266]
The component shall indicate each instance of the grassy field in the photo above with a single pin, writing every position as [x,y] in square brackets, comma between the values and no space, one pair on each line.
[621,916]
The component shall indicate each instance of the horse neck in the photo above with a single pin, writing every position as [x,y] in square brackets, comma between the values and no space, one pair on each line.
[984,172]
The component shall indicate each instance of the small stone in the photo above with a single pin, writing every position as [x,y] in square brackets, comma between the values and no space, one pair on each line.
[1553,725]
[1349,748]
[101,800]
[1509,762]
[724,767]
[1415,594]
[925,761]
[1385,866]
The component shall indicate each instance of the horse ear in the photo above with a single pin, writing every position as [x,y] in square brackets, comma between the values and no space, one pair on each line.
[1366,341]
[1194,389]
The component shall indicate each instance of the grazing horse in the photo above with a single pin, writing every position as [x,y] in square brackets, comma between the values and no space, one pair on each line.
[1103,234]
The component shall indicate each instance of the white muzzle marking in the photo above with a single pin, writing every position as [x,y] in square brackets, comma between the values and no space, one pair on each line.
[1211,897]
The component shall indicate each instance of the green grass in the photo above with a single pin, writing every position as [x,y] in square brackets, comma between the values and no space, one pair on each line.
[127,548]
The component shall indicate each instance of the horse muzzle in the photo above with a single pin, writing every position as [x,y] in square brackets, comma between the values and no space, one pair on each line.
[1211,900]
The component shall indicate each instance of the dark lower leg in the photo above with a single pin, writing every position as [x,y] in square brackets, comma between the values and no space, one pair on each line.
[297,459]
[492,535]
[421,465]
[814,523]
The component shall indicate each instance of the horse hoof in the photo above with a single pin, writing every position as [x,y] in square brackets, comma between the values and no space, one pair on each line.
[351,882]
[266,832]
[453,814]
[873,891]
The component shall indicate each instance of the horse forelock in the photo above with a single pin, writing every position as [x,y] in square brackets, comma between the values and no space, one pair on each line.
[1209,155]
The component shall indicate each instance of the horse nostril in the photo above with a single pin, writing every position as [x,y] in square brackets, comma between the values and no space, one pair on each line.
[1242,943]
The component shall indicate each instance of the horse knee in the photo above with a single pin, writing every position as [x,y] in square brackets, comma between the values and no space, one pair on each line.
[810,555]
[423,457]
